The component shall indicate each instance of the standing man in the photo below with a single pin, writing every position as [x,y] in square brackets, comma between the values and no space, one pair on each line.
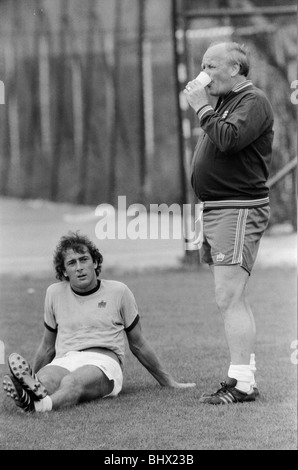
[81,355]
[230,169]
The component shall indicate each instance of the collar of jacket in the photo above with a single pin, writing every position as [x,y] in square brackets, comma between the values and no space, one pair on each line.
[238,88]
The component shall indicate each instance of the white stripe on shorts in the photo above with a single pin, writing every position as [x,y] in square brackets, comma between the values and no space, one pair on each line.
[240,234]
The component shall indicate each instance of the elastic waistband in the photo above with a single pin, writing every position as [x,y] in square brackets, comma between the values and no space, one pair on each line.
[103,351]
[237,204]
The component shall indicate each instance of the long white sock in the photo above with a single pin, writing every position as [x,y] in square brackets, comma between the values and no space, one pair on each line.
[45,404]
[253,368]
[243,374]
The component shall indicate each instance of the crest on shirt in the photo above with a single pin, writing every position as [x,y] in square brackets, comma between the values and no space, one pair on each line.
[225,114]
[102,304]
[220,257]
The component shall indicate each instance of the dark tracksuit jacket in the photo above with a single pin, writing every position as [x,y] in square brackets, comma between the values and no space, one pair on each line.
[232,157]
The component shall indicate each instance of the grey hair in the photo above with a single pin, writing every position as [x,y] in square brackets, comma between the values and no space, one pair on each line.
[237,54]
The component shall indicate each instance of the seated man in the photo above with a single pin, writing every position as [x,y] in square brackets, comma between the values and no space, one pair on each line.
[81,355]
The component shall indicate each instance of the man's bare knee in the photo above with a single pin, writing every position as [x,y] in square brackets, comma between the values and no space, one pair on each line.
[72,388]
[230,286]
[51,377]
[86,383]
[95,383]
[223,298]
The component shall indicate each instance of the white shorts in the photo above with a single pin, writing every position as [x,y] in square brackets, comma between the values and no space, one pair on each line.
[75,359]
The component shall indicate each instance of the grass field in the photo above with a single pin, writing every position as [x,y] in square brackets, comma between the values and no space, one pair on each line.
[181,321]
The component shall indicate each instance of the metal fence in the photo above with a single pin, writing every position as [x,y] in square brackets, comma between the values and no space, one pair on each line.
[90,111]
[71,128]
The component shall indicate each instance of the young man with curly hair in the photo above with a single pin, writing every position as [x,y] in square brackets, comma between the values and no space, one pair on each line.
[81,355]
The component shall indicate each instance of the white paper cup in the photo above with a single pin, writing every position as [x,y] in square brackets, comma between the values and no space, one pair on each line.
[203,78]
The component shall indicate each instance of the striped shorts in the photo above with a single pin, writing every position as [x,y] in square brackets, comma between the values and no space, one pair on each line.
[232,235]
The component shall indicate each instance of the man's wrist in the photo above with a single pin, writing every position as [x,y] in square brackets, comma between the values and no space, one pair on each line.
[207,108]
[201,108]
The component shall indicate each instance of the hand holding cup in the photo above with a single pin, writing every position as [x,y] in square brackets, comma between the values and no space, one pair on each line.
[195,91]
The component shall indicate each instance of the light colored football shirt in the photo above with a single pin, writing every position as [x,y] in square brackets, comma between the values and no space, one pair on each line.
[99,319]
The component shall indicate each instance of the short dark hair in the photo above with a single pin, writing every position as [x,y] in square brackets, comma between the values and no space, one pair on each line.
[76,242]
[237,54]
